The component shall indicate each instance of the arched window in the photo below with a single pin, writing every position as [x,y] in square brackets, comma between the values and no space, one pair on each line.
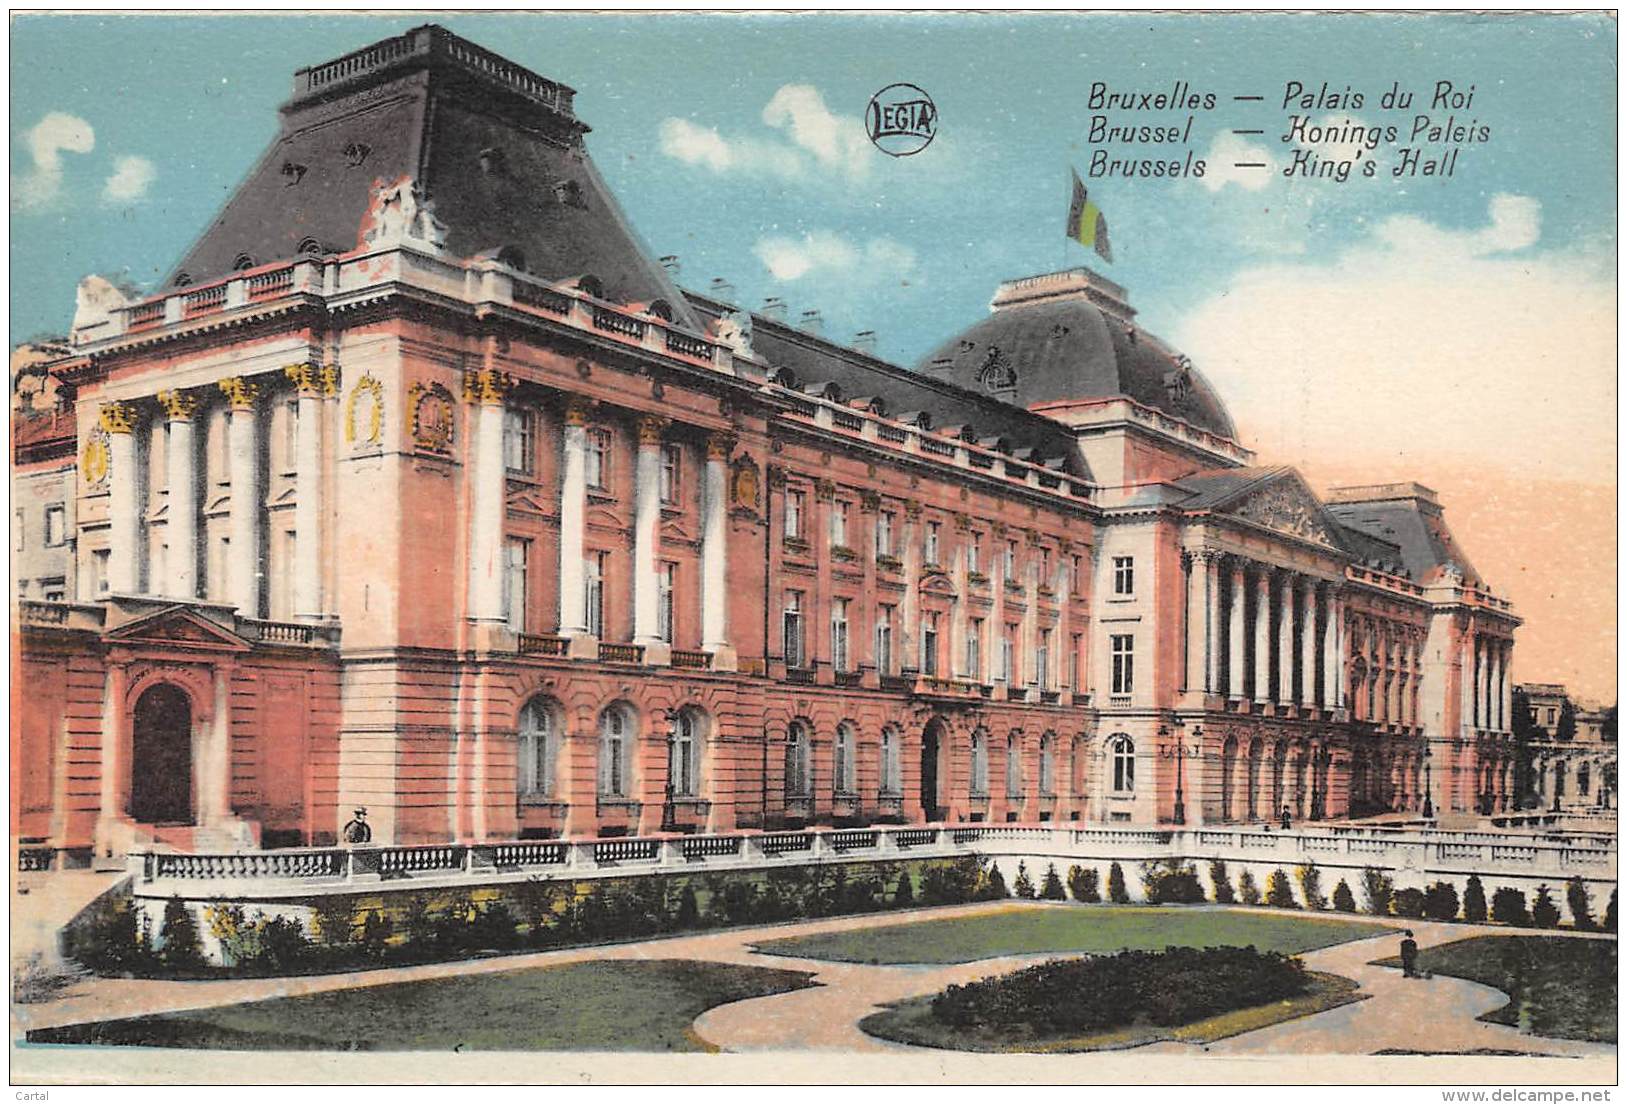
[1123,752]
[1584,777]
[980,764]
[687,734]
[844,759]
[1014,766]
[796,759]
[1254,780]
[615,730]
[1228,761]
[1047,765]
[537,746]
[661,309]
[892,776]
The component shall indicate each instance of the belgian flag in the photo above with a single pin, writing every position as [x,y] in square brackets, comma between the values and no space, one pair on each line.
[1086,223]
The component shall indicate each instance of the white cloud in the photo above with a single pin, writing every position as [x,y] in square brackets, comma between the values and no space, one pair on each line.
[807,136]
[1225,152]
[823,253]
[57,133]
[131,178]
[1422,340]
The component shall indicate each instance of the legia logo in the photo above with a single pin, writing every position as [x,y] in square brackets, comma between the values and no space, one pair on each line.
[902,120]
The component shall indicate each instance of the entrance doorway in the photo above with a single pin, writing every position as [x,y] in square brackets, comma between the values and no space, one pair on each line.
[932,741]
[161,757]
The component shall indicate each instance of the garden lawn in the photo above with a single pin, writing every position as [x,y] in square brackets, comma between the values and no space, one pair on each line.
[613,1005]
[1088,930]
[1558,986]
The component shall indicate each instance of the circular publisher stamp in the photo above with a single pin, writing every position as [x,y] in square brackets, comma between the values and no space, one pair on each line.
[901,120]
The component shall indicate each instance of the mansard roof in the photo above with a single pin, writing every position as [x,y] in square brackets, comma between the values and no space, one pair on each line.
[1409,517]
[495,148]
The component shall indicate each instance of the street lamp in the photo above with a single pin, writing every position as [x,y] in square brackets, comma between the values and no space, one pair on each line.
[667,811]
[1429,790]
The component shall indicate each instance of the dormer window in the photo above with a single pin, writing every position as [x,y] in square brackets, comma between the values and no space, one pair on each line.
[513,257]
[493,161]
[590,285]
[310,247]
[569,193]
[661,309]
[242,262]
[356,153]
[292,173]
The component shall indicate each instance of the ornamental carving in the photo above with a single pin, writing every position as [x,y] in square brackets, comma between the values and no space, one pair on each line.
[431,417]
[118,418]
[869,502]
[776,476]
[239,392]
[178,405]
[305,377]
[997,373]
[744,489]
[719,446]
[487,385]
[825,490]
[95,461]
[1285,508]
[364,413]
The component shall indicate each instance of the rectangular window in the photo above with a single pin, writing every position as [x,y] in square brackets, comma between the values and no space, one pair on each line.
[98,571]
[1008,655]
[1042,660]
[290,440]
[598,459]
[974,650]
[974,553]
[884,533]
[1011,561]
[17,530]
[1076,576]
[794,655]
[219,554]
[838,633]
[518,442]
[665,613]
[1124,575]
[1123,647]
[671,468]
[884,640]
[796,503]
[593,573]
[1045,567]
[56,524]
[931,551]
[929,643]
[516,555]
[838,523]
[54,590]
[1076,648]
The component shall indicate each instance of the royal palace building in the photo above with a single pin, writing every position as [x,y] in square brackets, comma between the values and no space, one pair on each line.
[421,486]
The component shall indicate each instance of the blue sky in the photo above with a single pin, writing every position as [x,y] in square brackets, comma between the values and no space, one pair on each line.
[910,247]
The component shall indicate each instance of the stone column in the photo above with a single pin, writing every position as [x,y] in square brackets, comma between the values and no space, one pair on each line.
[1285,638]
[243,556]
[312,384]
[124,514]
[485,391]
[573,491]
[715,547]
[1506,703]
[1212,626]
[1307,644]
[181,526]
[1330,648]
[1234,616]
[646,530]
[215,771]
[1197,619]
[1262,634]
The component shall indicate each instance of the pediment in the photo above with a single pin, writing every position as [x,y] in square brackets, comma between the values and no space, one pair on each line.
[177,627]
[528,501]
[1288,506]
[937,583]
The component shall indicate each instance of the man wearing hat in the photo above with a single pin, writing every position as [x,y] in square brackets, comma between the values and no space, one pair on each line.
[1409,955]
[357,830]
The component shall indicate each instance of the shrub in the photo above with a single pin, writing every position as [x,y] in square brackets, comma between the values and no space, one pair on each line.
[1024,886]
[904,896]
[992,885]
[1169,880]
[335,919]
[951,883]
[1116,891]
[1247,892]
[1377,890]
[689,910]
[1343,900]
[1221,881]
[1610,913]
[1051,889]
[1408,903]
[1474,901]
[283,943]
[376,932]
[1441,902]
[1544,914]
[1278,891]
[1508,907]
[1310,886]
[179,949]
[1576,898]
[1083,884]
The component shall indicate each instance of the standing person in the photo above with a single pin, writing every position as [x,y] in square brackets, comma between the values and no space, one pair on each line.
[357,830]
[1409,955]
[1286,822]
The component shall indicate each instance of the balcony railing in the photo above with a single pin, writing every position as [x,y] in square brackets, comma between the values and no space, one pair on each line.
[621,654]
[692,659]
[541,644]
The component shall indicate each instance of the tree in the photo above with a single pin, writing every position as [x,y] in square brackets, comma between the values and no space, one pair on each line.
[1116,891]
[1607,724]
[1170,880]
[1544,913]
[1024,886]
[994,885]
[1566,729]
[1378,889]
[1051,889]
[1508,907]
[1247,892]
[1310,885]
[1084,884]
[904,896]
[1221,881]
[1441,902]
[1278,891]
[179,948]
[689,910]
[1576,898]
[1474,901]
[1610,913]
[1343,900]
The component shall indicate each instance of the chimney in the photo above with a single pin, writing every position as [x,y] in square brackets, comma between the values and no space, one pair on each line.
[811,322]
[670,263]
[865,342]
[773,308]
[721,289]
